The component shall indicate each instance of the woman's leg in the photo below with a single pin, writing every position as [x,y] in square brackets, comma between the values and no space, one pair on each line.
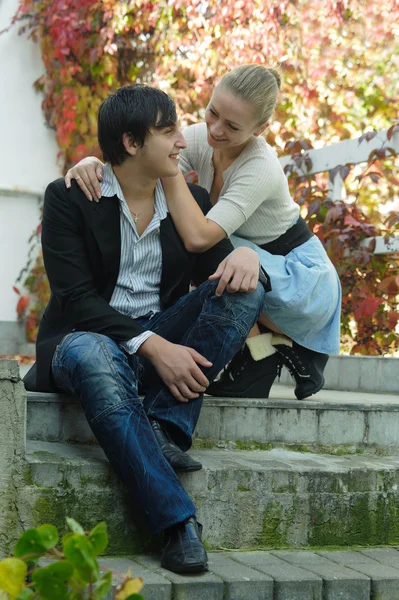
[266,322]
[296,288]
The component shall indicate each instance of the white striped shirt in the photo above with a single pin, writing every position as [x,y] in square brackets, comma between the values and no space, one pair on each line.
[137,290]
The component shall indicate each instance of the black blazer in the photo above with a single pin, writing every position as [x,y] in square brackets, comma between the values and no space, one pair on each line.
[81,244]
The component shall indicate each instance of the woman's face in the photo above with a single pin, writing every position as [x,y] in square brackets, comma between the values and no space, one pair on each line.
[229,120]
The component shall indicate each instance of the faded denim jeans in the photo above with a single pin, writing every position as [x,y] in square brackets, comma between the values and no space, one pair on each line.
[106,379]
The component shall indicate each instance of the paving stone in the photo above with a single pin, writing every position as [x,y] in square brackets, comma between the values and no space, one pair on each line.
[384,579]
[339,582]
[387,556]
[240,581]
[204,586]
[156,587]
[290,582]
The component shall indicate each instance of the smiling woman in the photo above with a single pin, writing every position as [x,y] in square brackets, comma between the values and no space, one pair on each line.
[250,196]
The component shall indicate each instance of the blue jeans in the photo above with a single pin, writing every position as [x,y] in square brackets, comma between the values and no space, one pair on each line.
[106,379]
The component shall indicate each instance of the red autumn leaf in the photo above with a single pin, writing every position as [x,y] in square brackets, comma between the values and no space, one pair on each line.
[393,319]
[392,130]
[349,220]
[368,307]
[23,304]
[390,285]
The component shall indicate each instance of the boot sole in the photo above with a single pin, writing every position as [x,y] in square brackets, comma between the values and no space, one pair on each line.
[258,389]
[313,392]
[187,469]
[197,568]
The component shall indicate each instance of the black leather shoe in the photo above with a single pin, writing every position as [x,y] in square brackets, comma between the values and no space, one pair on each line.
[180,461]
[245,377]
[183,550]
[306,366]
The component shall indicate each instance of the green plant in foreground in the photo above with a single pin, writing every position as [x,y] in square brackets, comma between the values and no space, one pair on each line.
[73,573]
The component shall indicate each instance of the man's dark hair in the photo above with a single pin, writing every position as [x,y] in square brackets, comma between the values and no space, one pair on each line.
[132,109]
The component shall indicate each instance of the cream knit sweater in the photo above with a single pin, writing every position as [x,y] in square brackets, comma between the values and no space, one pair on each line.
[255,202]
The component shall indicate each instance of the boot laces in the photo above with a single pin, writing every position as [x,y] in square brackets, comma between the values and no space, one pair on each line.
[237,365]
[293,362]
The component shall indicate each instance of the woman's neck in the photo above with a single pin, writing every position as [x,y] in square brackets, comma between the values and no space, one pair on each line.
[227,156]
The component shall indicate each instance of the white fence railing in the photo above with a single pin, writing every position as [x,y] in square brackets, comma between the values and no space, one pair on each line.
[331,158]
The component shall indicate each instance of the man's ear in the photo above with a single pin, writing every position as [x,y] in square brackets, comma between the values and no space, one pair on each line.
[261,129]
[130,145]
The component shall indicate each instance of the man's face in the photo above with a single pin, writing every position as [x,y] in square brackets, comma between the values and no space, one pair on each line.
[159,156]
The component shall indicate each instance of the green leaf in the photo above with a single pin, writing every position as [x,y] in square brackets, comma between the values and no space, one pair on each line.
[66,537]
[135,597]
[51,581]
[25,594]
[103,587]
[49,536]
[12,575]
[79,551]
[74,526]
[99,538]
[30,542]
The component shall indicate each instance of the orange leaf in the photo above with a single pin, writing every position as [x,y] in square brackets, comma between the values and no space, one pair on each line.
[23,304]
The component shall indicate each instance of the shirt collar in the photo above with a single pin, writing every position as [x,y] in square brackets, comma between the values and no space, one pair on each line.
[110,187]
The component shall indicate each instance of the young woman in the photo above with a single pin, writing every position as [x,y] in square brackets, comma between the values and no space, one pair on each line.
[300,324]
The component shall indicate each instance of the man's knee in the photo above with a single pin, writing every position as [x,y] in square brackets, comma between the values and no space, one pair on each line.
[88,349]
[251,301]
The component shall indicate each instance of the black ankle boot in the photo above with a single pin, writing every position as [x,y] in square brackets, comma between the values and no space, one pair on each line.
[183,551]
[245,377]
[306,366]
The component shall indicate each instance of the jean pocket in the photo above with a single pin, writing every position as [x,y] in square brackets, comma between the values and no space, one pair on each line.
[66,341]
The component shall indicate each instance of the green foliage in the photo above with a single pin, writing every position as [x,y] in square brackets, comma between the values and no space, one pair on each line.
[72,574]
[338,62]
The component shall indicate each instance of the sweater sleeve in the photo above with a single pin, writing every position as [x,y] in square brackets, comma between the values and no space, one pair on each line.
[249,186]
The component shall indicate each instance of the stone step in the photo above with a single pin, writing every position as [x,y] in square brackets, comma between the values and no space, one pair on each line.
[372,374]
[335,422]
[361,574]
[245,499]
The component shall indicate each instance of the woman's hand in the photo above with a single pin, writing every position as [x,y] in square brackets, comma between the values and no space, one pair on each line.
[238,272]
[87,172]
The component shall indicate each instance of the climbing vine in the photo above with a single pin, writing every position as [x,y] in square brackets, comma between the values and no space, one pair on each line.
[339,62]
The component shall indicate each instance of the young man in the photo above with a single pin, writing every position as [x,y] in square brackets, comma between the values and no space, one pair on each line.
[120,315]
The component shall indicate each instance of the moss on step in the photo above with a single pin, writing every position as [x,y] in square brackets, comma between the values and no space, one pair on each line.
[367,520]
[53,506]
[275,525]
[342,450]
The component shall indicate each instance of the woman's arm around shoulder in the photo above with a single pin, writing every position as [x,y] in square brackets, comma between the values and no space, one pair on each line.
[88,173]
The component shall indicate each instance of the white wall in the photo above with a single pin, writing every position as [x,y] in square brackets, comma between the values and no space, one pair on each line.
[28,153]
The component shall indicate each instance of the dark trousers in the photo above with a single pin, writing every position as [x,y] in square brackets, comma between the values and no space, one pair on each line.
[107,380]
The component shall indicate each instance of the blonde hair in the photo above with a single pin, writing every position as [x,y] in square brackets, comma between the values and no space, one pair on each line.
[256,84]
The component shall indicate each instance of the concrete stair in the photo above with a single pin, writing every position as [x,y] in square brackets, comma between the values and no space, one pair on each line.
[334,422]
[277,472]
[279,475]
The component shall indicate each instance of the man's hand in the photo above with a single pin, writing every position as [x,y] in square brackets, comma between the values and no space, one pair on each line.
[177,366]
[87,172]
[238,272]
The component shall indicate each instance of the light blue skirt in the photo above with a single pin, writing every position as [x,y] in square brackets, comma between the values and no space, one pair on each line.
[305,301]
